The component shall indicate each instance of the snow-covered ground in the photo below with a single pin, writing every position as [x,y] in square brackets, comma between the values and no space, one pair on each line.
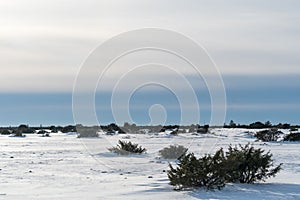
[65,167]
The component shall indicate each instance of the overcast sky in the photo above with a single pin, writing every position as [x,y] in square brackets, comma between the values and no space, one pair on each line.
[44,43]
[49,40]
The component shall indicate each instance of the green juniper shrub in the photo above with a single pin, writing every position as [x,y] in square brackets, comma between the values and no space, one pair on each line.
[268,135]
[53,129]
[293,129]
[28,130]
[204,129]
[126,148]
[46,135]
[242,164]
[173,152]
[175,132]
[203,172]
[68,129]
[257,125]
[292,137]
[283,126]
[245,164]
[25,129]
[42,132]
[5,132]
[17,133]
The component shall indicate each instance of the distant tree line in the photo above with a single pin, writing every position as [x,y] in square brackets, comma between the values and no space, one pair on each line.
[259,125]
[23,128]
[133,128]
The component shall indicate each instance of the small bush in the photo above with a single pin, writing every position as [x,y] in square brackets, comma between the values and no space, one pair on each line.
[292,137]
[244,165]
[204,129]
[248,165]
[54,131]
[17,134]
[268,135]
[28,130]
[173,152]
[6,132]
[24,129]
[126,148]
[42,132]
[175,132]
[68,129]
[293,129]
[203,172]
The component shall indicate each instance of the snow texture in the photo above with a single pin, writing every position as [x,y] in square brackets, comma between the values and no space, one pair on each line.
[65,167]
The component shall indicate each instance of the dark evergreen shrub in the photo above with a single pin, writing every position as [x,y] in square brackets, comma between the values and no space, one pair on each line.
[126,148]
[42,132]
[203,172]
[68,129]
[175,132]
[53,129]
[294,129]
[173,152]
[115,128]
[5,132]
[18,133]
[232,124]
[268,135]
[244,164]
[28,130]
[268,124]
[203,129]
[23,126]
[24,129]
[283,126]
[257,125]
[292,137]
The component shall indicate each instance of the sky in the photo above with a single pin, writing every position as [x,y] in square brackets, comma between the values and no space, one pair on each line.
[254,44]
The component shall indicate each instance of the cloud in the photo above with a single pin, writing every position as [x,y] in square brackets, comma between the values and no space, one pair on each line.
[266,106]
[46,42]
